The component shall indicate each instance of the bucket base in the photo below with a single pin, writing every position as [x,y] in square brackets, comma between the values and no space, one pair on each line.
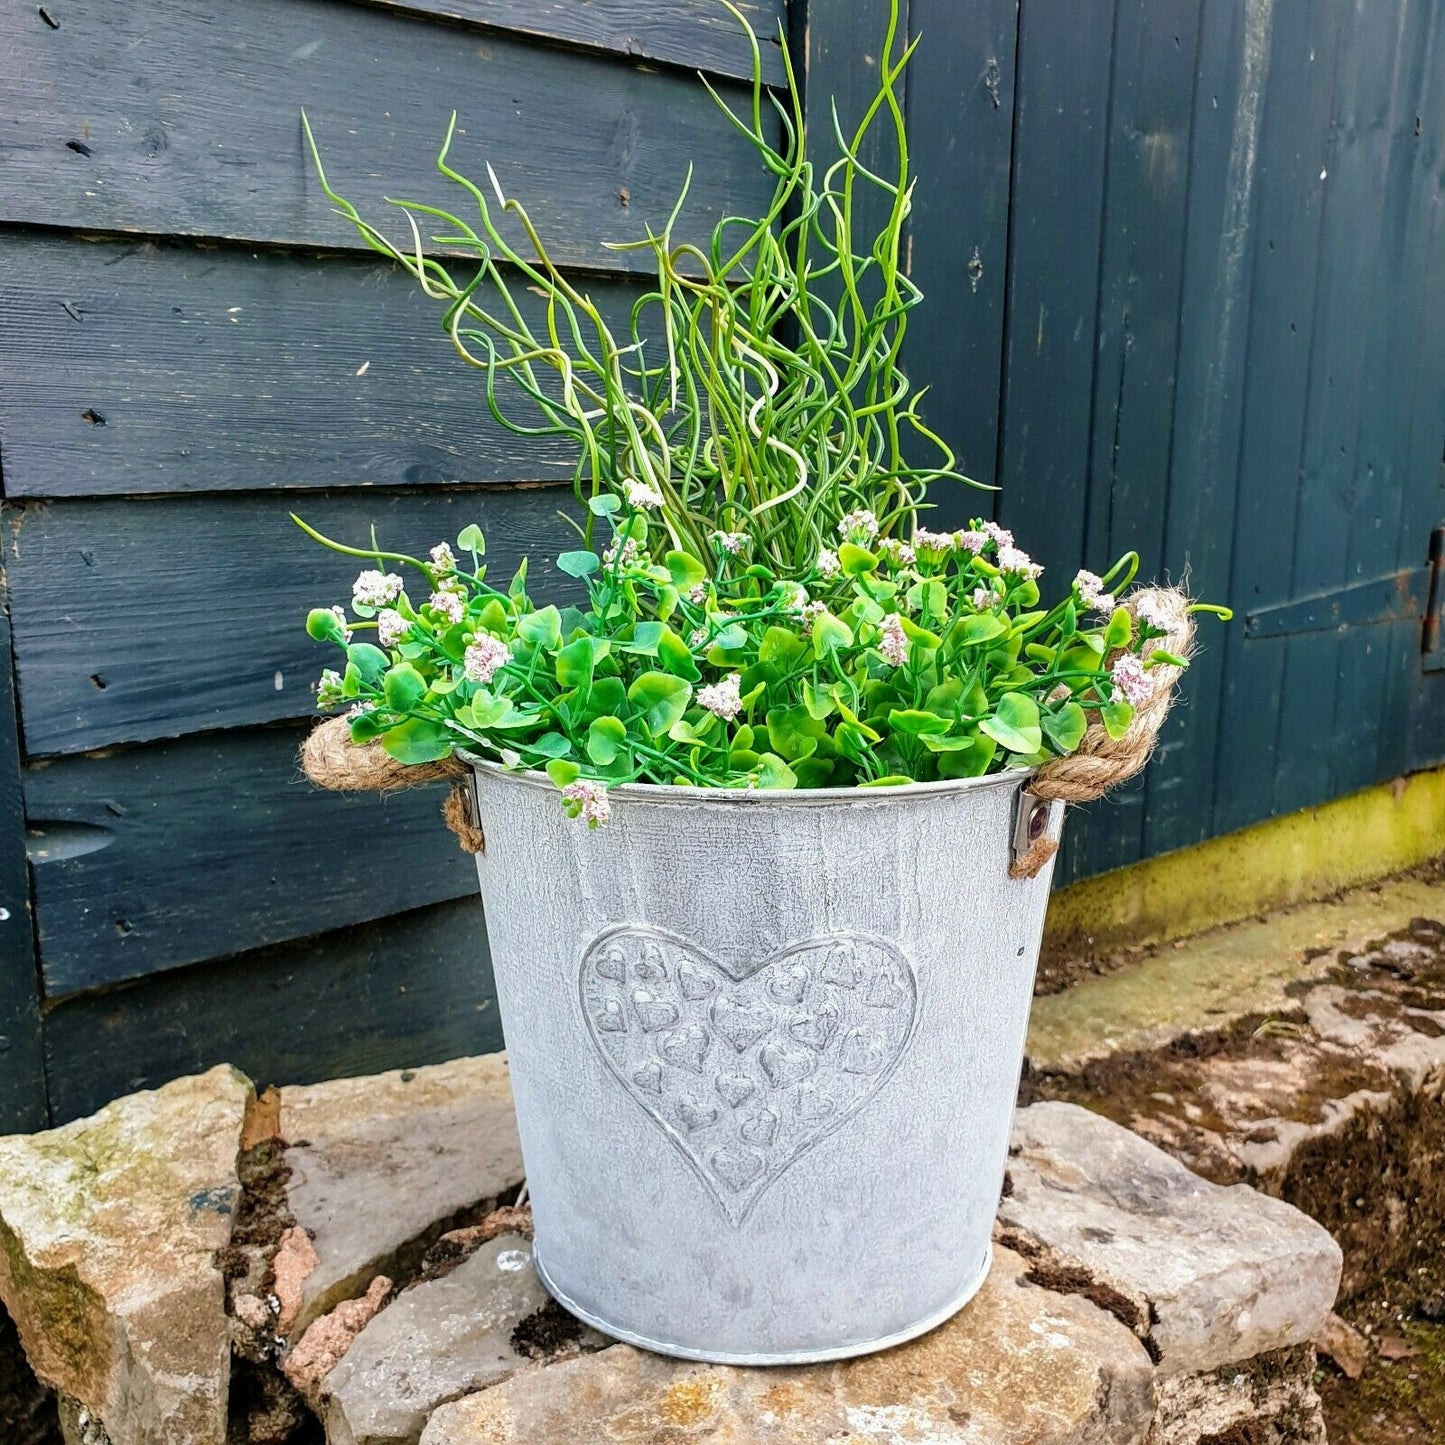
[788,1357]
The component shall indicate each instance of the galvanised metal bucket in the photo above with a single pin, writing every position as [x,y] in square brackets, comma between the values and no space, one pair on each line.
[765,1049]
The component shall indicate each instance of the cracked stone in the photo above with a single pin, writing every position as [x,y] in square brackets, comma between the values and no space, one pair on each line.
[1018,1364]
[384,1163]
[327,1340]
[440,1339]
[109,1228]
[1207,1275]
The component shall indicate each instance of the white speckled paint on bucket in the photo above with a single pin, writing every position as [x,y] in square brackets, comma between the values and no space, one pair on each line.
[765,1049]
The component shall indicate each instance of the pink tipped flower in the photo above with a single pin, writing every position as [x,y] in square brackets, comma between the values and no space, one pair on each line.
[858,527]
[894,642]
[391,627]
[828,563]
[731,542]
[450,605]
[442,561]
[973,542]
[484,657]
[629,554]
[1092,592]
[932,546]
[698,595]
[896,553]
[1132,682]
[639,494]
[375,589]
[588,801]
[1012,559]
[1155,610]
[723,699]
[1001,535]
[328,689]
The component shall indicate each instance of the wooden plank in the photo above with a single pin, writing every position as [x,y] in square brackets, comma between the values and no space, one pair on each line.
[1060,130]
[698,34]
[149,858]
[1141,276]
[1229,100]
[961,108]
[141,620]
[23,1105]
[410,990]
[1371,704]
[132,367]
[1294,147]
[181,117]
[1345,289]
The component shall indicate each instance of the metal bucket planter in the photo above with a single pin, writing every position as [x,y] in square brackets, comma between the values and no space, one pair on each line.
[765,1049]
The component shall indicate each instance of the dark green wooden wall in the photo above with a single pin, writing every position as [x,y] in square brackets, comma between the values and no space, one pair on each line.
[1183,259]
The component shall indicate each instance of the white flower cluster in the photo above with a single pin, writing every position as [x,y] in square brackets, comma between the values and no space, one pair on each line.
[896,553]
[639,494]
[1092,592]
[723,699]
[731,542]
[1133,683]
[859,526]
[828,563]
[1151,608]
[484,657]
[591,800]
[328,689]
[894,642]
[973,542]
[449,604]
[933,546]
[1015,560]
[810,611]
[391,627]
[375,589]
[630,553]
[339,613]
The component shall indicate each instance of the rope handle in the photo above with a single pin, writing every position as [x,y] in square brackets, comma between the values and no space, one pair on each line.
[331,760]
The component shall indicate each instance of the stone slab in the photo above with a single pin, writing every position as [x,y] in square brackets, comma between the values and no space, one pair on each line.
[377,1162]
[1018,1364]
[109,1229]
[438,1340]
[1208,1275]
[1209,981]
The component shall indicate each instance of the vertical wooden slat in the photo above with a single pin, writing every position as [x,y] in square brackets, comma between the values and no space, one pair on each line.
[960,114]
[1230,89]
[1371,704]
[1350,258]
[1057,189]
[1294,149]
[1141,270]
[23,1104]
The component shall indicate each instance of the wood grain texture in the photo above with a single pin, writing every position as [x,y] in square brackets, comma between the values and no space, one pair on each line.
[698,34]
[961,109]
[409,990]
[149,858]
[23,1105]
[1230,92]
[147,620]
[132,367]
[181,117]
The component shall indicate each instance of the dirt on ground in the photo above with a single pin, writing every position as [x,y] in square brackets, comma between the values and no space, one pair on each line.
[1377,1184]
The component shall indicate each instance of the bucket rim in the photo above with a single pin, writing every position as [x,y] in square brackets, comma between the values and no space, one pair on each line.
[678,794]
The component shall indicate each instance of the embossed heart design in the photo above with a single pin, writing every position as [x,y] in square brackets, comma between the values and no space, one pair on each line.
[746,1071]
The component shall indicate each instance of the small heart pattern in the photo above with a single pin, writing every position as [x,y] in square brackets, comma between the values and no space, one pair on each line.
[745,1072]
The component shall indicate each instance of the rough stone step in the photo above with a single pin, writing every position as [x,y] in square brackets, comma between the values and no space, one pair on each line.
[1110,1253]
[110,1229]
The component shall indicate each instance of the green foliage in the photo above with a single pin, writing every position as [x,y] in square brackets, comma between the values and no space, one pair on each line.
[763,608]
